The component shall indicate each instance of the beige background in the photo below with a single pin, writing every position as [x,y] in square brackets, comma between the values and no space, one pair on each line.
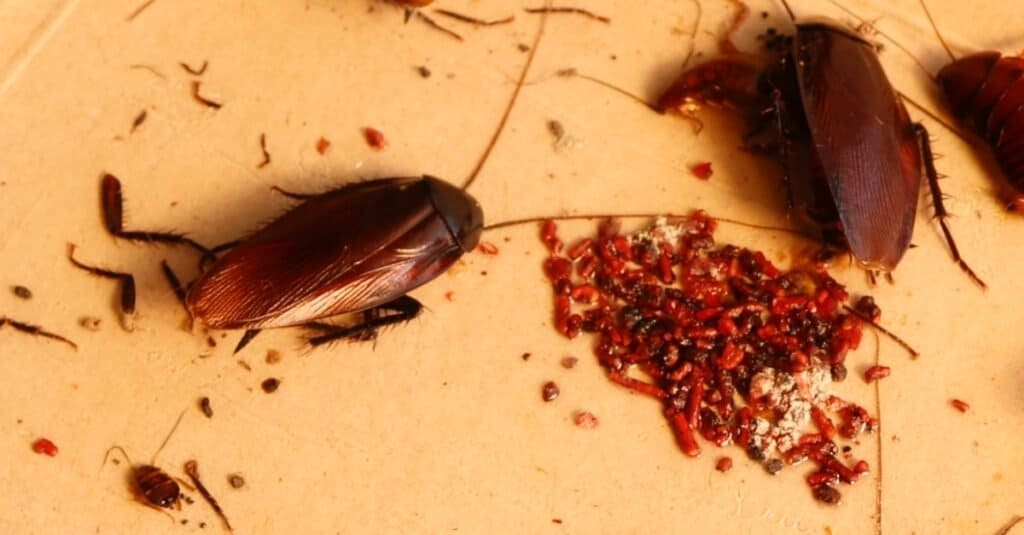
[439,426]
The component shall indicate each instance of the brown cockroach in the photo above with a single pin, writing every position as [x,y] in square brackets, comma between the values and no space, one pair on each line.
[151,486]
[852,157]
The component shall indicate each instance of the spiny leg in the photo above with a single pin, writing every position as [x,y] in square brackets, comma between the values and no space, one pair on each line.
[246,338]
[940,208]
[113,219]
[211,254]
[402,309]
[294,195]
[127,284]
[34,330]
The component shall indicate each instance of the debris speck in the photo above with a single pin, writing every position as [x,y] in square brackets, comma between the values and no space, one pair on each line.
[204,406]
[960,405]
[273,356]
[270,385]
[236,481]
[586,420]
[550,391]
[322,145]
[22,292]
[375,138]
[44,446]
[423,70]
[570,362]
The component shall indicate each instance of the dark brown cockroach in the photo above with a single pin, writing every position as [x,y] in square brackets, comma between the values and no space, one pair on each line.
[356,249]
[151,486]
[852,157]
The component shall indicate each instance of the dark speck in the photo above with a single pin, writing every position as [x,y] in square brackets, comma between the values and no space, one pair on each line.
[22,292]
[270,385]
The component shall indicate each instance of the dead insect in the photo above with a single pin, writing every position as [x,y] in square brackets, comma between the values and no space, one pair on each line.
[853,159]
[359,248]
[152,486]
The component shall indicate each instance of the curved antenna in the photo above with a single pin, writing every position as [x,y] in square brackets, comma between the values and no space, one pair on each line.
[935,28]
[168,437]
[511,101]
[789,10]
[118,448]
[577,217]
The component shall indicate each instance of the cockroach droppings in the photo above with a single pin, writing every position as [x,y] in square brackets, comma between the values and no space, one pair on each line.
[487,248]
[960,405]
[270,385]
[586,420]
[526,356]
[236,481]
[424,71]
[702,170]
[570,362]
[44,446]
[374,138]
[724,464]
[22,292]
[875,373]
[273,356]
[204,406]
[322,145]
[90,323]
[550,391]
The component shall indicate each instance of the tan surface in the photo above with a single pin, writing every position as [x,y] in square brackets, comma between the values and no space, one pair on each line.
[439,426]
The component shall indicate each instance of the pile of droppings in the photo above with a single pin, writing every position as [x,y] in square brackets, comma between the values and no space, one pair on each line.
[738,351]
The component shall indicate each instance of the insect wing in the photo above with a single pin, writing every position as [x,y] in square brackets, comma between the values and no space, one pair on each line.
[864,140]
[298,267]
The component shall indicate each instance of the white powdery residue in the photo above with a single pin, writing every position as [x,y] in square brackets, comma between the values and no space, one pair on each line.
[791,396]
[660,232]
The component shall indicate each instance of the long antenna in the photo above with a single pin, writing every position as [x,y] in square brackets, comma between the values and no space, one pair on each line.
[512,100]
[935,28]
[168,437]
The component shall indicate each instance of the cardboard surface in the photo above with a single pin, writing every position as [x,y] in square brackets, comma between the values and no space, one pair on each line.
[439,426]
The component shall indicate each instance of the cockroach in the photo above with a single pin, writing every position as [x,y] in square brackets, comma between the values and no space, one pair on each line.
[852,157]
[152,486]
[985,92]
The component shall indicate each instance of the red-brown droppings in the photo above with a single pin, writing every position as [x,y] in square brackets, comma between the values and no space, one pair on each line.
[44,446]
[526,356]
[586,420]
[556,520]
[322,145]
[724,464]
[699,321]
[702,170]
[570,362]
[374,138]
[875,373]
[487,248]
[550,391]
[960,405]
[273,357]
[449,295]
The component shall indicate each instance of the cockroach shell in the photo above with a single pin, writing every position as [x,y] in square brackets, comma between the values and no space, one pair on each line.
[347,250]
[961,80]
[156,486]
[862,138]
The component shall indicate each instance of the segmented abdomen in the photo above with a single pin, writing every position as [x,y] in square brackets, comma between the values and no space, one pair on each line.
[987,90]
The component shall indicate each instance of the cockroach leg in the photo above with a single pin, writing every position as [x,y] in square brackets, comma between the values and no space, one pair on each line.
[113,219]
[294,195]
[174,281]
[246,338]
[940,208]
[125,280]
[402,309]
[211,255]
[34,330]
[192,471]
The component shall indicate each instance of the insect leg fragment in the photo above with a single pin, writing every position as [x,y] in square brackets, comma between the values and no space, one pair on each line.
[400,310]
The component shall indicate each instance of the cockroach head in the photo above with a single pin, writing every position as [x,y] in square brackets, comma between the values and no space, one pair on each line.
[460,212]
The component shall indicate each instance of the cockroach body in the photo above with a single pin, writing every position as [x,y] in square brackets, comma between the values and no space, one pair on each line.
[152,486]
[355,248]
[986,91]
[853,158]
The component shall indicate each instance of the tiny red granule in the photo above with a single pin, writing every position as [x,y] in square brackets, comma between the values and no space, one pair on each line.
[374,138]
[449,295]
[724,464]
[487,248]
[702,170]
[322,145]
[585,419]
[959,405]
[45,447]
[875,373]
[570,362]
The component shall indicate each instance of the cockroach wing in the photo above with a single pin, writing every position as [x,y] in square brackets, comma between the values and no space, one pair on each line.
[344,251]
[864,140]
